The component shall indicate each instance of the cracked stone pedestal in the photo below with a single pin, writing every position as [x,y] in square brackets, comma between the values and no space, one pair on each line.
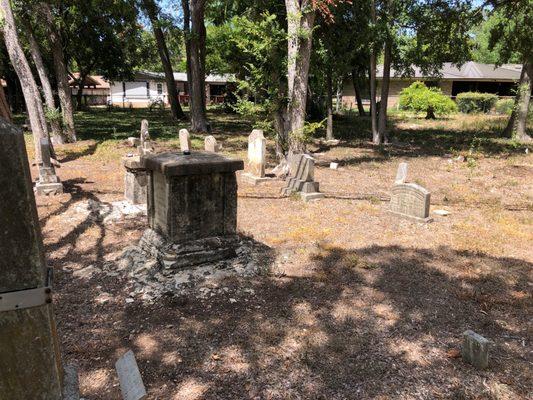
[135,180]
[192,208]
[48,182]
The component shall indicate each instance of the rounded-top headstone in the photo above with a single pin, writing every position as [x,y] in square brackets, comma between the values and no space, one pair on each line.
[185,141]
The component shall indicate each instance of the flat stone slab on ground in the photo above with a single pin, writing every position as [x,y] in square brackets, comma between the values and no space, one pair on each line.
[306,197]
[131,383]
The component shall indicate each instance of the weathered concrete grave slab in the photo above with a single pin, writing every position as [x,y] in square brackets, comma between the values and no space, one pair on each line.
[185,141]
[131,383]
[411,201]
[211,145]
[192,208]
[475,349]
[302,178]
[48,182]
[256,165]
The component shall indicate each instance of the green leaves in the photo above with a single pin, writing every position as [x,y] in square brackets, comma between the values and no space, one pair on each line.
[419,98]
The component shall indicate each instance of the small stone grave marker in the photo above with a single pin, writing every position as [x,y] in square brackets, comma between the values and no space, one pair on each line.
[475,349]
[401,174]
[334,165]
[211,145]
[185,141]
[131,383]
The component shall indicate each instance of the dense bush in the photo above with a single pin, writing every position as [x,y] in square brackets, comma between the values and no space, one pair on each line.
[504,106]
[419,98]
[473,102]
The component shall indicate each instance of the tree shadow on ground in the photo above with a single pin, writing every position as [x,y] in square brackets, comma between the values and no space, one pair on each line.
[374,322]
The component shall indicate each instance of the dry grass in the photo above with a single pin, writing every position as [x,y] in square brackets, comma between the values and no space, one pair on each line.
[358,304]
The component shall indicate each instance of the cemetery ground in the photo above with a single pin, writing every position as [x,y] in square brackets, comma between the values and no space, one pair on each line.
[350,302]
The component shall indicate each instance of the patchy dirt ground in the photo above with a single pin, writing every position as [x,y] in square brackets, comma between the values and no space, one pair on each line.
[356,304]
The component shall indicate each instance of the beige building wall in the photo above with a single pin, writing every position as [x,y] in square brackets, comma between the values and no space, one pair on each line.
[396,86]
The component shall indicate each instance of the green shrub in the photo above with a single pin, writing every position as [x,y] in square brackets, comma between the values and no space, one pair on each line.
[473,102]
[504,106]
[419,98]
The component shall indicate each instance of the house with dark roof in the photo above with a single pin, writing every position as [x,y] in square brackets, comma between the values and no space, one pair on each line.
[452,80]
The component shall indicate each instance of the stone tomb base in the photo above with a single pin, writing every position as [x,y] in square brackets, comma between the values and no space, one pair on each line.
[48,188]
[135,180]
[255,180]
[174,256]
[48,182]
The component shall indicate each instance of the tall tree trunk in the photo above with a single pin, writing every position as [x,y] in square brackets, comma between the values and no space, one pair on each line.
[32,97]
[45,82]
[338,95]
[357,91]
[5,111]
[79,94]
[195,33]
[300,21]
[173,96]
[385,83]
[329,105]
[373,106]
[63,88]
[517,125]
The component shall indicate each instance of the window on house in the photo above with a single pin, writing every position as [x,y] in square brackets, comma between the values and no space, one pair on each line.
[147,89]
[159,88]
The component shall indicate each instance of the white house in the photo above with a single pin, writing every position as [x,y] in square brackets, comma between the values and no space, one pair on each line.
[149,87]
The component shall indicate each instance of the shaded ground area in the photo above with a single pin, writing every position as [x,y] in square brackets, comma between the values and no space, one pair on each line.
[357,304]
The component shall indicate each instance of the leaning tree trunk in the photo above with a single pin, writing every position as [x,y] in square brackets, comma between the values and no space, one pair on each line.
[79,94]
[357,91]
[338,95]
[5,111]
[195,33]
[173,95]
[372,76]
[63,88]
[32,97]
[382,116]
[45,82]
[329,105]
[517,125]
[300,21]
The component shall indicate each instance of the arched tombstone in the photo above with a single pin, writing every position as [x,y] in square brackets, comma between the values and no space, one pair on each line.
[211,145]
[185,141]
[256,164]
[411,201]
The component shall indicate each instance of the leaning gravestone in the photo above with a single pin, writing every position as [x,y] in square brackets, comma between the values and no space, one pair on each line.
[256,158]
[135,177]
[211,145]
[48,182]
[302,178]
[185,141]
[192,208]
